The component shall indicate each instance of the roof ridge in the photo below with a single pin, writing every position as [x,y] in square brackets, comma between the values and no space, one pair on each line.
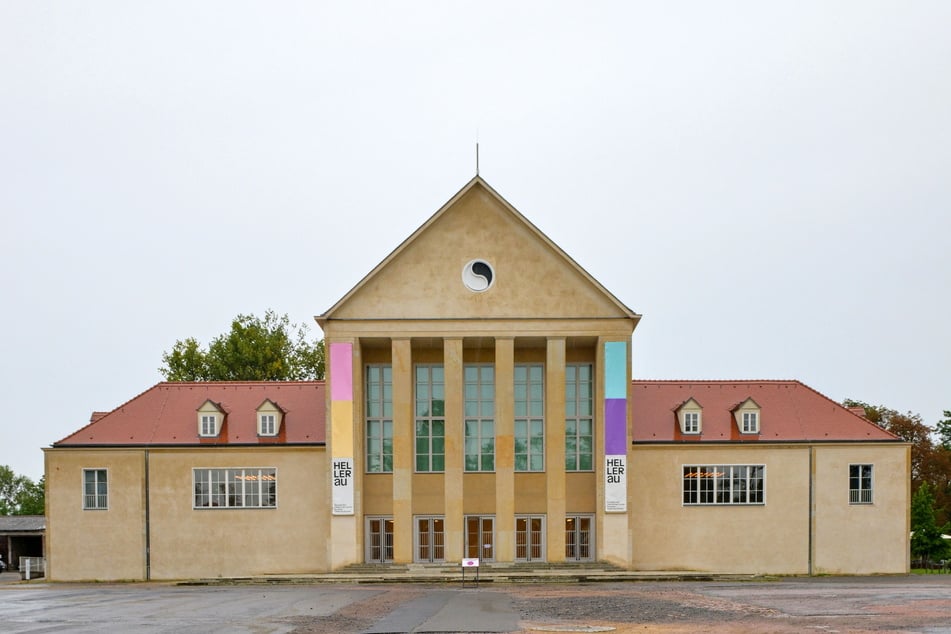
[715,381]
[109,413]
[242,382]
[849,410]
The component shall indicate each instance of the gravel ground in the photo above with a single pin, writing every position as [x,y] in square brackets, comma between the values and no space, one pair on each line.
[688,607]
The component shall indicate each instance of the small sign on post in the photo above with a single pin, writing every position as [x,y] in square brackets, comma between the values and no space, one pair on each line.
[470,562]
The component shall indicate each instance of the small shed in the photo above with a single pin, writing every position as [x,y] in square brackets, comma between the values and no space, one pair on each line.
[22,536]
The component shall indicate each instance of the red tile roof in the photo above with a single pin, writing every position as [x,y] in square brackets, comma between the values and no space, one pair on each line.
[166,414]
[789,412]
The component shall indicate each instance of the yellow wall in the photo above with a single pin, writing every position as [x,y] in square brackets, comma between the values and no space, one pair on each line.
[106,545]
[769,538]
[862,538]
[185,542]
[774,537]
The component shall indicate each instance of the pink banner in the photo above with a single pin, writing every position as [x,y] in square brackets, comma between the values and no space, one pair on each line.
[341,371]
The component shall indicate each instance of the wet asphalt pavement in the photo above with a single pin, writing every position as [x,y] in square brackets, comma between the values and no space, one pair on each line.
[914,603]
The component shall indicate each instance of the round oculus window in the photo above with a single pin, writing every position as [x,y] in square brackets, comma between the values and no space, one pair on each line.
[478,276]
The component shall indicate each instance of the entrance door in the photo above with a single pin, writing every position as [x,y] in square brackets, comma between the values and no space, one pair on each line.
[480,531]
[579,537]
[379,548]
[530,538]
[429,539]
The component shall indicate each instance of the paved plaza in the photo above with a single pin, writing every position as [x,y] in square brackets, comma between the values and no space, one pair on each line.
[860,604]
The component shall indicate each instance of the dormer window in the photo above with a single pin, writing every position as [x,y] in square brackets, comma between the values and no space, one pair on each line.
[267,424]
[270,415]
[747,416]
[689,415]
[691,422]
[750,422]
[210,419]
[209,425]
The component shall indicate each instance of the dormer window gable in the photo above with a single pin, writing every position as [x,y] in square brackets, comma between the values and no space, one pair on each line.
[748,417]
[270,417]
[210,418]
[690,417]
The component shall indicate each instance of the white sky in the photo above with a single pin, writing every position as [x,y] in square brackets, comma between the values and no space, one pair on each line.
[767,183]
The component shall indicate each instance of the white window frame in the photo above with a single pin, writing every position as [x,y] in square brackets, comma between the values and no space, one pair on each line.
[723,480]
[235,481]
[863,494]
[100,501]
[691,422]
[208,425]
[750,422]
[267,425]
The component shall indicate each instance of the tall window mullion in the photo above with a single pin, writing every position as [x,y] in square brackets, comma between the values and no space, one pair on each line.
[430,418]
[579,418]
[529,418]
[379,419]
[479,417]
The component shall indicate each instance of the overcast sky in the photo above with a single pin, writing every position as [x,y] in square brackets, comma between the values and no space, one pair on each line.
[767,183]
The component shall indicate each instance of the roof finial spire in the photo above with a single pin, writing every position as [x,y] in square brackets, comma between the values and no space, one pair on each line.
[477,150]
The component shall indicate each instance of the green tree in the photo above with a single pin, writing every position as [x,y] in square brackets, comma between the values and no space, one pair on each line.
[909,427]
[19,495]
[930,461]
[32,499]
[926,540]
[255,349]
[943,430]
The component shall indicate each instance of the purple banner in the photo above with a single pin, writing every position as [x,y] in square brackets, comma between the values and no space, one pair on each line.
[615,426]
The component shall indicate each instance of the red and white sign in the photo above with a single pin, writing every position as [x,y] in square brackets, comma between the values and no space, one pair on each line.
[470,563]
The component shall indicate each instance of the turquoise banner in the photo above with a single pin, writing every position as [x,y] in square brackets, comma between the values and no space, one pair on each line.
[615,369]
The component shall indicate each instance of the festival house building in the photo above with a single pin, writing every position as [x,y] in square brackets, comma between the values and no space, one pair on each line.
[479,404]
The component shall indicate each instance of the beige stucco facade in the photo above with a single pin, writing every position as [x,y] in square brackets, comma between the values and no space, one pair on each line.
[184,542]
[414,309]
[806,524]
[537,310]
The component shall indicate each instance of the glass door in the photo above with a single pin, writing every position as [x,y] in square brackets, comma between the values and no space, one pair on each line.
[579,538]
[480,533]
[530,538]
[429,539]
[379,543]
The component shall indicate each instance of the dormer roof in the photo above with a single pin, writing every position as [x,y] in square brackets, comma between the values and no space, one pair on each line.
[165,415]
[792,412]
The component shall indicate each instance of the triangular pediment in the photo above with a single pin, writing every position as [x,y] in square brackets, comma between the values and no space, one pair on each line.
[440,271]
